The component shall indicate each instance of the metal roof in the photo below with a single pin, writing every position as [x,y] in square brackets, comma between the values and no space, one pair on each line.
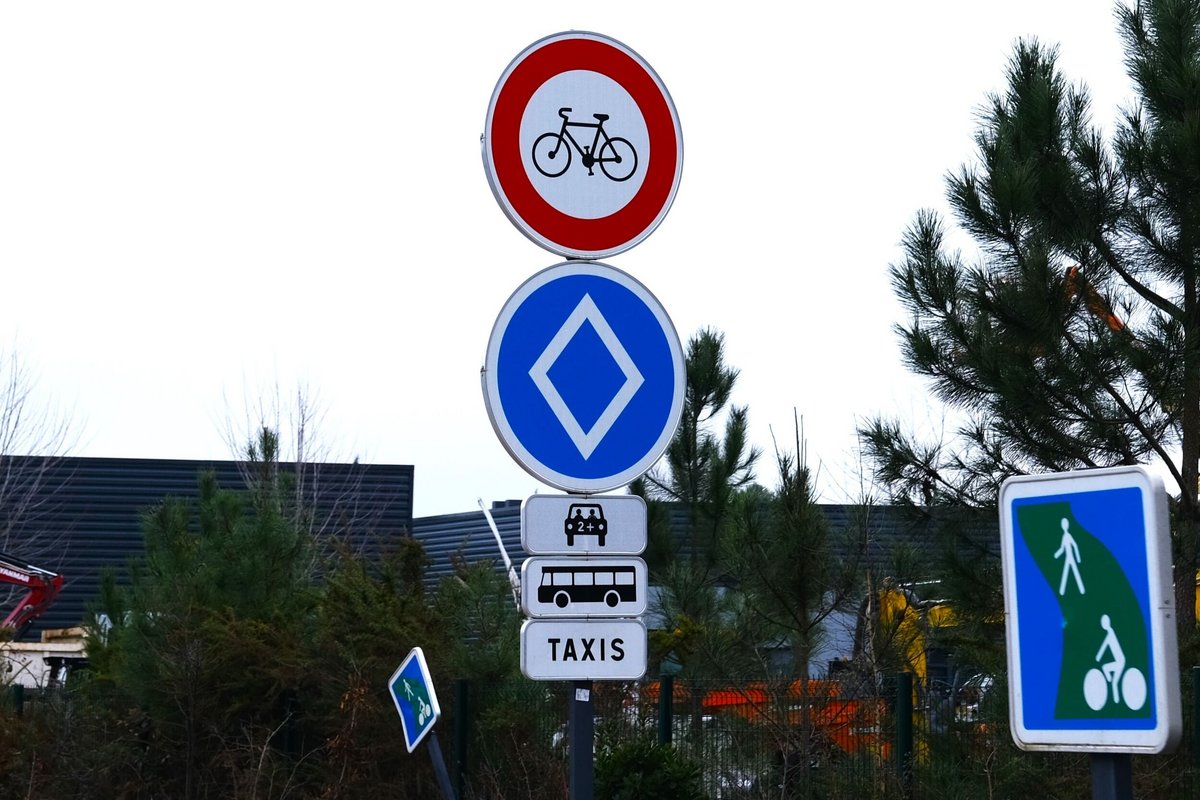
[467,537]
[873,534]
[78,516]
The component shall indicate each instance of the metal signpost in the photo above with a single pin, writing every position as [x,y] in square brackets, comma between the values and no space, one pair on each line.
[1092,653]
[584,374]
[411,688]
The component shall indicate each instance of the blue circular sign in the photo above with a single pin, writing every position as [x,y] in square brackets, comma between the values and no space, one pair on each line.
[584,377]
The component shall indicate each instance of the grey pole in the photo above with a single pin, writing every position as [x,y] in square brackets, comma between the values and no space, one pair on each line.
[582,732]
[1112,776]
[439,766]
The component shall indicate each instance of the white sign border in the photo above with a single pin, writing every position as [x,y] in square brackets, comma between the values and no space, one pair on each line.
[1165,653]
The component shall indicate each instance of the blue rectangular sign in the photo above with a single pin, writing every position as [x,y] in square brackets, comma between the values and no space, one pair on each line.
[1092,650]
[411,688]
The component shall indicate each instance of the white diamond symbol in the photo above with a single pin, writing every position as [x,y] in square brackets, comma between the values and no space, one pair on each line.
[586,441]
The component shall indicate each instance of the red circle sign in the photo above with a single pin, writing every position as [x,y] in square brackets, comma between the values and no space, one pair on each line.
[582,145]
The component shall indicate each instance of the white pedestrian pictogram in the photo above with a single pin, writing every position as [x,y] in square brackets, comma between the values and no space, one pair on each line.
[1069,550]
[1131,683]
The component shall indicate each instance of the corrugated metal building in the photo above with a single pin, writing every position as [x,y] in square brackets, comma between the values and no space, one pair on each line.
[77,516]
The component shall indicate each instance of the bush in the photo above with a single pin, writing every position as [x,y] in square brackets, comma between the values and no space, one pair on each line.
[640,768]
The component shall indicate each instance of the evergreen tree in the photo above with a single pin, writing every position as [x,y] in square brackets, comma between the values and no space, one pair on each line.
[784,556]
[1073,340]
[208,643]
[701,474]
[698,470]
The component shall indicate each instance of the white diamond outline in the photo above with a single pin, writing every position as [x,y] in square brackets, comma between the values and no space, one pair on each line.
[586,442]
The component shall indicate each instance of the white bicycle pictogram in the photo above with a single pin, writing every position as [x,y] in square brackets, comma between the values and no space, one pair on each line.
[1127,686]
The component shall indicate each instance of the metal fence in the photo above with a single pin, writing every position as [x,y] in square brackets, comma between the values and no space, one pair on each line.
[878,739]
[870,740]
[751,739]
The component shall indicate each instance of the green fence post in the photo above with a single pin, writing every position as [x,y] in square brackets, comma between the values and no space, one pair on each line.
[1196,716]
[462,733]
[18,698]
[904,731]
[666,697]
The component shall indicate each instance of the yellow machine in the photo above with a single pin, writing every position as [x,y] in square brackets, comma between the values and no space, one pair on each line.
[901,624]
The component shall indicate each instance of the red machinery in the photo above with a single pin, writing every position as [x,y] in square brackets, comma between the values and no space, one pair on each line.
[43,587]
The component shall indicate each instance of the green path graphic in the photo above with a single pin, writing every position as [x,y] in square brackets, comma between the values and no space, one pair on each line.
[1106,593]
[413,692]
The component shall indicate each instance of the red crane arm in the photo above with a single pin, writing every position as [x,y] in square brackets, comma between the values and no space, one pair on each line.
[43,587]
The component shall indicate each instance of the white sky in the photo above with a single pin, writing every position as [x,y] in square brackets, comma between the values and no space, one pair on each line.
[204,204]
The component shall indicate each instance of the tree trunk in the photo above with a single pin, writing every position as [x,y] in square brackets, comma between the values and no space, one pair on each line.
[1188,522]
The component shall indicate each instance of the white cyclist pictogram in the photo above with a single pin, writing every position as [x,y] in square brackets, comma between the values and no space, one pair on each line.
[1127,685]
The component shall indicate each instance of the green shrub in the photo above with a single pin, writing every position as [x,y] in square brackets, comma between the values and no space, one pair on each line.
[639,769]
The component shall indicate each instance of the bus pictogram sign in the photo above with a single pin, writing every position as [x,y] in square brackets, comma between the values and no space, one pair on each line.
[582,145]
[584,587]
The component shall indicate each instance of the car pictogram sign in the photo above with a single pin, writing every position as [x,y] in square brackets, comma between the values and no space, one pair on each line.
[582,145]
[1093,660]
[603,525]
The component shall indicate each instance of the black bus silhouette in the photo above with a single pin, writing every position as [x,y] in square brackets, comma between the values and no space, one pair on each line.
[594,584]
[585,519]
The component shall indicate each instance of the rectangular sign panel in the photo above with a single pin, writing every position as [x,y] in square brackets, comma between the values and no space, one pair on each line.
[583,587]
[601,525]
[411,688]
[583,649]
[1090,623]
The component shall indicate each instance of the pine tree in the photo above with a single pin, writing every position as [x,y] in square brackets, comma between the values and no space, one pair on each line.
[699,470]
[1073,340]
[702,474]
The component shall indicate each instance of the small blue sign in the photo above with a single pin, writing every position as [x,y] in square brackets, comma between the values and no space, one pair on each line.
[412,692]
[584,377]
[1087,582]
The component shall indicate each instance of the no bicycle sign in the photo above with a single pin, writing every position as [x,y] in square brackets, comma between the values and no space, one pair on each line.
[582,145]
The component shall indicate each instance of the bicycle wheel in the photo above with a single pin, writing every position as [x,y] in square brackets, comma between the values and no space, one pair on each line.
[618,160]
[551,155]
[1095,689]
[1133,688]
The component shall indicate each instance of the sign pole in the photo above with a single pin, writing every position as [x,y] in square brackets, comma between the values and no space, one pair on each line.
[439,767]
[1112,776]
[582,734]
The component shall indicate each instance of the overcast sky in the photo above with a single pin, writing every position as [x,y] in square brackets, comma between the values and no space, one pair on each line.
[204,205]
